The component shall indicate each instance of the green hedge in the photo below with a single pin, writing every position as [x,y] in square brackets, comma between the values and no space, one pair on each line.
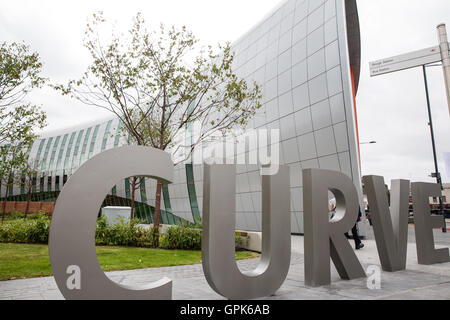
[26,231]
[123,233]
[184,237]
[189,237]
[19,215]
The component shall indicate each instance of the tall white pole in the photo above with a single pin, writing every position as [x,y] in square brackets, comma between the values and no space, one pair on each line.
[443,42]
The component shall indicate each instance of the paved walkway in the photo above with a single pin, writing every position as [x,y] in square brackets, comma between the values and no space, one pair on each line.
[189,283]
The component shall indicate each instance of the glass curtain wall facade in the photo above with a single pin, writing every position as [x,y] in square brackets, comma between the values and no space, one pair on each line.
[305,55]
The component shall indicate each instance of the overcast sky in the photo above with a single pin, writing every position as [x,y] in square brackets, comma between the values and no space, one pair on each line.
[391,108]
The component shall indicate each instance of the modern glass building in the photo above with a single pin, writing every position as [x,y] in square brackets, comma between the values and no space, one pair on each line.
[306,56]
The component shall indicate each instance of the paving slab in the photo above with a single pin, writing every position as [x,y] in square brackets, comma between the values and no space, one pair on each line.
[189,282]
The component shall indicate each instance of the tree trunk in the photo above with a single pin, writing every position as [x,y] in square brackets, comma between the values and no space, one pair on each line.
[157,213]
[4,204]
[27,208]
[133,190]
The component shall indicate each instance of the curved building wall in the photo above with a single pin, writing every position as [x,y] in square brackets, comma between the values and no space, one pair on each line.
[306,56]
[301,55]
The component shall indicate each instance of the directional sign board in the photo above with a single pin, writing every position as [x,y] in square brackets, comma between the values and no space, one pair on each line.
[405,61]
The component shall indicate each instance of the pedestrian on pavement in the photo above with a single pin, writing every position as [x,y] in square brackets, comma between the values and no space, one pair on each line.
[358,243]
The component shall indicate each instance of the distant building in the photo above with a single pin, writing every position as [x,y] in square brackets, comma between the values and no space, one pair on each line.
[446,193]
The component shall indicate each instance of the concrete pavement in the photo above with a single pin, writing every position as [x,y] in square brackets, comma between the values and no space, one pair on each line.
[189,283]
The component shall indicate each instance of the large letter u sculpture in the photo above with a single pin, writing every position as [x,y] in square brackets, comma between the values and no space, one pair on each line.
[218,242]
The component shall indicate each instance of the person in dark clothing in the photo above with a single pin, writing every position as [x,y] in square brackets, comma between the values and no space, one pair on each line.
[358,242]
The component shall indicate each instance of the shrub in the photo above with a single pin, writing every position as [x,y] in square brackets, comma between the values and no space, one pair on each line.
[20,215]
[184,237]
[189,237]
[240,240]
[26,231]
[123,233]
[36,230]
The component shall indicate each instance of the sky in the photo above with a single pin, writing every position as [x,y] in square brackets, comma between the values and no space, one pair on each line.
[391,109]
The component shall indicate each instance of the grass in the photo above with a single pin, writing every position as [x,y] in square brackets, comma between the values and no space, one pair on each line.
[21,261]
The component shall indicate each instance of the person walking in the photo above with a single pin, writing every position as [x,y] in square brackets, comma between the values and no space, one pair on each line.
[332,211]
[358,243]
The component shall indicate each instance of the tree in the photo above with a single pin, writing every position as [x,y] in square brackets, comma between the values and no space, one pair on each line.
[157,84]
[7,165]
[19,74]
[27,178]
[135,184]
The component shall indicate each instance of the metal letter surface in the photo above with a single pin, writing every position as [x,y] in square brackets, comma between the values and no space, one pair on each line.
[218,242]
[424,223]
[324,238]
[390,225]
[72,232]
